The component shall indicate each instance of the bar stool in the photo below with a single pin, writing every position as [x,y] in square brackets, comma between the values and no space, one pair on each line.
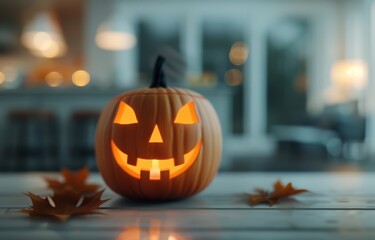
[352,131]
[30,141]
[82,139]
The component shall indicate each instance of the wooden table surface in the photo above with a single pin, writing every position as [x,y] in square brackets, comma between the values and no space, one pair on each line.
[339,206]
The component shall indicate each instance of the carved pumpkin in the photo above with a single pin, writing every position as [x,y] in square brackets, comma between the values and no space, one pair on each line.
[158,143]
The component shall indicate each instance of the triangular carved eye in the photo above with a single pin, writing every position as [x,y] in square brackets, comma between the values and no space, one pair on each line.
[187,114]
[125,114]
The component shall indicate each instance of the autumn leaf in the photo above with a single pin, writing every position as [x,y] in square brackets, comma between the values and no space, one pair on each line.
[64,204]
[71,197]
[279,192]
[74,181]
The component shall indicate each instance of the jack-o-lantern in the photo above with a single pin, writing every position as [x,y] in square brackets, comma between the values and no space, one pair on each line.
[158,143]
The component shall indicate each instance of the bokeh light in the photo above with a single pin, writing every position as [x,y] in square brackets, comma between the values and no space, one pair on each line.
[42,41]
[238,53]
[10,73]
[2,78]
[54,79]
[80,78]
[114,40]
[351,74]
[233,77]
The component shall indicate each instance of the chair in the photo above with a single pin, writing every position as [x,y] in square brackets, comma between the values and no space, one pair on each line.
[30,141]
[82,139]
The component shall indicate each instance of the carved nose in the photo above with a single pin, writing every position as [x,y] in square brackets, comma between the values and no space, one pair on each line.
[156,136]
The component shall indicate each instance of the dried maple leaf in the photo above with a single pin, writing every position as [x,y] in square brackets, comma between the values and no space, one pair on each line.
[64,204]
[74,181]
[279,192]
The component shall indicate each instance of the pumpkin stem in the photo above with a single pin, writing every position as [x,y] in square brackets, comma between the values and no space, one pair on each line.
[158,79]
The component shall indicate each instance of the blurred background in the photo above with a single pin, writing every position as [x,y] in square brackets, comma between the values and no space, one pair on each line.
[291,80]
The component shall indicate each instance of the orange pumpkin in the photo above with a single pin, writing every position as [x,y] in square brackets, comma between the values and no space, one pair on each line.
[158,143]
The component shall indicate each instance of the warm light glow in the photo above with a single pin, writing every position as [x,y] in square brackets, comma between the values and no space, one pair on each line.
[187,114]
[138,233]
[10,73]
[133,233]
[53,50]
[349,74]
[238,53]
[233,77]
[42,41]
[334,95]
[149,164]
[2,78]
[152,232]
[155,170]
[156,136]
[43,44]
[43,37]
[125,114]
[28,40]
[80,78]
[54,79]
[114,40]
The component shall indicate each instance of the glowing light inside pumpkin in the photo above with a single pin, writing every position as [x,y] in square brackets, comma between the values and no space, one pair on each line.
[155,170]
[125,114]
[156,136]
[81,78]
[187,114]
[150,164]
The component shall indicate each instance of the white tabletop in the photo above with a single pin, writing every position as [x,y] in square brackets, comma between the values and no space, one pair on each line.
[339,206]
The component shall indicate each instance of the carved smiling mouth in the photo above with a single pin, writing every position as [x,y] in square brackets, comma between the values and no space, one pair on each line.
[154,167]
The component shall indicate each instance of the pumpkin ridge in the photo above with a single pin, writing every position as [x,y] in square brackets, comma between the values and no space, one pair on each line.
[218,140]
[165,93]
[103,132]
[182,177]
[202,163]
[138,184]
[169,191]
[118,175]
[195,165]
